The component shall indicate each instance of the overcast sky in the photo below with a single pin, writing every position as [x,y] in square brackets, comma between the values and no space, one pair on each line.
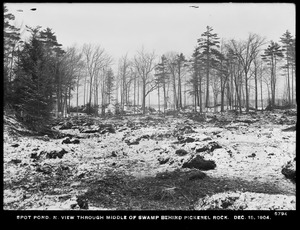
[125,28]
[121,28]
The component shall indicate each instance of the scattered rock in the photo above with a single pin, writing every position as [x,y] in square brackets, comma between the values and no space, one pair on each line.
[183,140]
[37,156]
[203,149]
[66,125]
[113,154]
[211,146]
[101,128]
[181,152]
[106,128]
[197,117]
[289,129]
[135,142]
[82,202]
[90,130]
[46,169]
[75,184]
[207,139]
[67,140]
[75,141]
[290,112]
[45,138]
[200,163]
[246,201]
[252,155]
[54,154]
[163,160]
[214,145]
[81,175]
[186,129]
[188,140]
[146,136]
[89,123]
[289,171]
[247,121]
[16,161]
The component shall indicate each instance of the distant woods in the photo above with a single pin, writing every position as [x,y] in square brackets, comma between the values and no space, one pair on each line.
[41,78]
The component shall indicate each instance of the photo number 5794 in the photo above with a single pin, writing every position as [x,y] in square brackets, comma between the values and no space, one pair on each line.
[280,213]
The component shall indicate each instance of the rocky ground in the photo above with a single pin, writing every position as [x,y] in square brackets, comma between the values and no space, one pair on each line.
[183,162]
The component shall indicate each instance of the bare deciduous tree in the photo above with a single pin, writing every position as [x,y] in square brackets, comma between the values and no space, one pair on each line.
[95,59]
[246,51]
[144,64]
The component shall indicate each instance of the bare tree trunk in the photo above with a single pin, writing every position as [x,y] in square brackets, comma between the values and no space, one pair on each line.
[57,96]
[256,87]
[207,81]
[174,91]
[165,99]
[288,86]
[247,92]
[158,97]
[238,93]
[117,96]
[134,91]
[273,83]
[138,93]
[69,104]
[200,92]
[149,100]
[144,97]
[196,96]
[292,85]
[96,99]
[179,90]
[184,93]
[77,95]
[103,101]
[261,95]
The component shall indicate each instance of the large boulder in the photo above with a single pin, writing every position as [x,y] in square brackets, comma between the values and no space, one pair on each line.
[289,170]
[200,163]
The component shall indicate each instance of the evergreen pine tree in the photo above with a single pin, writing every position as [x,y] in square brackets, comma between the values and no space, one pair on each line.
[208,44]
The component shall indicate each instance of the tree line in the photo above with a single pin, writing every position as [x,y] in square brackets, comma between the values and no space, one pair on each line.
[40,77]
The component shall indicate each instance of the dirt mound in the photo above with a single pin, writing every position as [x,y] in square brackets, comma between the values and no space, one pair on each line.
[246,201]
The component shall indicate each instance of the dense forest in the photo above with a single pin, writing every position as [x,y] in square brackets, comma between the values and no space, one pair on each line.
[41,78]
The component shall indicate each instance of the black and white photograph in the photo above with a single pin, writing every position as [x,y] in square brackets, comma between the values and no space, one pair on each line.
[149,106]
